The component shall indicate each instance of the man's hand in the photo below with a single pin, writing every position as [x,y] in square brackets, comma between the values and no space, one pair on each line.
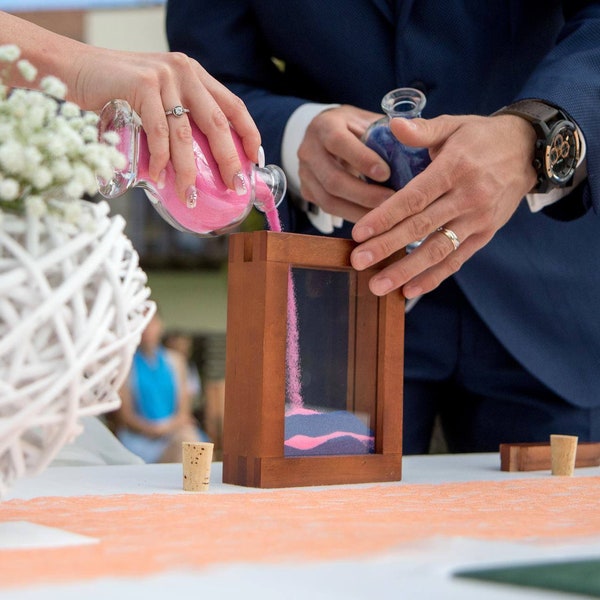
[480,171]
[332,157]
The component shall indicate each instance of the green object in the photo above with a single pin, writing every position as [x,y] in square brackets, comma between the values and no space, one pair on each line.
[574,577]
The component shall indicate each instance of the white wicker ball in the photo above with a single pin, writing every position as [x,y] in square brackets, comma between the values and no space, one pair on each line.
[73,304]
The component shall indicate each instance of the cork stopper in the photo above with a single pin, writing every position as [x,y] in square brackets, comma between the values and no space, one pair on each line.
[563,451]
[197,459]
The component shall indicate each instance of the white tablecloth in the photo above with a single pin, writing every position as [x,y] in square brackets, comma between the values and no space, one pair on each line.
[417,572]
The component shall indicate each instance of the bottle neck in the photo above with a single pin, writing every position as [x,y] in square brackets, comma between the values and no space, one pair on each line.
[404,102]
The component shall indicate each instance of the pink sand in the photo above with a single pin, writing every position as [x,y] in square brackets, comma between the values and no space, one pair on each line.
[218,206]
[294,377]
[305,442]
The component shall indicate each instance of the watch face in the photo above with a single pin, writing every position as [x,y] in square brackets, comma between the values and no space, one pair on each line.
[562,152]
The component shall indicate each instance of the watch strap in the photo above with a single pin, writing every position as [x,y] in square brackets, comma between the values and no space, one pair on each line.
[543,117]
[532,110]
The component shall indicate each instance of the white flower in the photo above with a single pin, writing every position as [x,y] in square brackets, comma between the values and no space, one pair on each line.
[35,206]
[89,133]
[49,148]
[62,169]
[70,110]
[53,86]
[74,189]
[12,158]
[55,146]
[9,189]
[32,156]
[9,52]
[111,137]
[41,178]
[27,70]
[91,118]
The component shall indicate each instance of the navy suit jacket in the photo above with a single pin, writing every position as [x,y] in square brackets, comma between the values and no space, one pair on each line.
[537,283]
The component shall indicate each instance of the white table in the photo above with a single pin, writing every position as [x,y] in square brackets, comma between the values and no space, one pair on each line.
[416,572]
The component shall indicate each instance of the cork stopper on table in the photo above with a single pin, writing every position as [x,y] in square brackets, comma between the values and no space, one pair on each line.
[197,459]
[563,451]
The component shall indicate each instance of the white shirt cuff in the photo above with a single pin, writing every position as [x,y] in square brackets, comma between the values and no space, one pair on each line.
[293,135]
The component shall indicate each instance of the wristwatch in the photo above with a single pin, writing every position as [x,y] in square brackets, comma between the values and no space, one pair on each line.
[558,146]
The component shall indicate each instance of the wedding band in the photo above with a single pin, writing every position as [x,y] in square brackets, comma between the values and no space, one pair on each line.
[177,111]
[450,235]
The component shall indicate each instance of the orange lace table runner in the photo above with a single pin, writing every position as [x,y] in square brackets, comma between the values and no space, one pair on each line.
[141,535]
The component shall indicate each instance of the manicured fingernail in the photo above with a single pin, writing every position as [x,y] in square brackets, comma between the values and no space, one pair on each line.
[360,233]
[381,286]
[239,184]
[162,177]
[261,157]
[362,259]
[191,197]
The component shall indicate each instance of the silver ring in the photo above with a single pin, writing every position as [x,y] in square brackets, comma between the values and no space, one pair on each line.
[177,111]
[450,235]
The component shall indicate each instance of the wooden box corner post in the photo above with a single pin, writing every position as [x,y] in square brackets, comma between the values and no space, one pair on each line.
[254,444]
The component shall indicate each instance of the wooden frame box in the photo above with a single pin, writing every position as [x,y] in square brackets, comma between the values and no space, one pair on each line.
[255,384]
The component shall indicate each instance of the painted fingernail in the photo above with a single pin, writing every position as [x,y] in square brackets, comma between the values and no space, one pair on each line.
[239,184]
[381,286]
[162,178]
[261,157]
[191,197]
[362,259]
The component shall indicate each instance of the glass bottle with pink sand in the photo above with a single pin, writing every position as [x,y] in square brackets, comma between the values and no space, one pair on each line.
[218,209]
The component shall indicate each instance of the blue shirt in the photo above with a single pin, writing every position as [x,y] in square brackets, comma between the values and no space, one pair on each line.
[153,385]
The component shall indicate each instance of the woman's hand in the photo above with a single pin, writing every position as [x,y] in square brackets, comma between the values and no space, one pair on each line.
[153,83]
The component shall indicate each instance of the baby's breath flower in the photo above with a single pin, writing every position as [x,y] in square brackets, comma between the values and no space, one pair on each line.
[70,110]
[27,70]
[74,189]
[62,170]
[111,137]
[71,211]
[41,178]
[32,156]
[55,146]
[91,118]
[12,159]
[9,52]
[49,148]
[90,134]
[35,206]
[53,86]
[83,175]
[9,189]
